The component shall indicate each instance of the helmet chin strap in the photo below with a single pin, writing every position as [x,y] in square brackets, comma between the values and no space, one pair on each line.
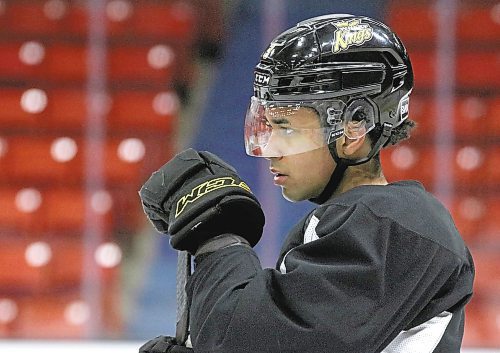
[343,163]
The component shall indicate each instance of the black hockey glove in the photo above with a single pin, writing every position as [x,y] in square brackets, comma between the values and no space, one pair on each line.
[163,344]
[197,196]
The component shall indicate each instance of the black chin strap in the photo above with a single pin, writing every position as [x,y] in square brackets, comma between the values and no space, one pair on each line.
[333,183]
[342,164]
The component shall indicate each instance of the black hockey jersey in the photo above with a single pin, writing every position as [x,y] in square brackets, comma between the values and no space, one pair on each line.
[376,269]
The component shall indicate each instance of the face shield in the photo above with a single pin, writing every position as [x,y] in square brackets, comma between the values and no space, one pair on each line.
[277,129]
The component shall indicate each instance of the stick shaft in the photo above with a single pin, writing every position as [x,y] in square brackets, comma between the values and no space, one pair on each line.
[183,273]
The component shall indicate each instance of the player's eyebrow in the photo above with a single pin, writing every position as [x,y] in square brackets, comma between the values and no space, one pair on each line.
[280,121]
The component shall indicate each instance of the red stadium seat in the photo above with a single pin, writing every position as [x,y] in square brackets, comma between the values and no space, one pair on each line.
[482,323]
[471,116]
[30,18]
[50,159]
[470,212]
[175,20]
[66,111]
[489,230]
[422,111]
[473,69]
[398,15]
[144,111]
[477,23]
[55,210]
[51,316]
[478,70]
[31,159]
[493,121]
[13,115]
[126,19]
[151,64]
[409,162]
[64,209]
[487,264]
[66,62]
[66,314]
[11,65]
[15,272]
[491,176]
[469,162]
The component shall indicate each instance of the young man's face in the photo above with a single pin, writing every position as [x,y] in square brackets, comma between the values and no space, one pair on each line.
[301,175]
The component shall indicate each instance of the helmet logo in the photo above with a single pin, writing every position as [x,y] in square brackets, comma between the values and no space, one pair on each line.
[261,79]
[350,33]
[404,105]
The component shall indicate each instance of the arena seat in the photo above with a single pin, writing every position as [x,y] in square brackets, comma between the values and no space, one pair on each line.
[473,117]
[12,68]
[469,162]
[30,159]
[66,315]
[53,210]
[150,64]
[398,15]
[488,233]
[493,119]
[144,111]
[470,117]
[478,69]
[66,62]
[65,111]
[29,18]
[16,275]
[491,176]
[475,22]
[422,111]
[469,213]
[409,162]
[175,20]
[60,159]
[474,69]
[481,323]
[487,263]
[13,115]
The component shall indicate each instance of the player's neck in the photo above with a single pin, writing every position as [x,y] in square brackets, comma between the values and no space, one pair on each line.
[360,175]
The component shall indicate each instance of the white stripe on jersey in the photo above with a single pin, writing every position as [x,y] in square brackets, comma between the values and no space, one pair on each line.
[422,338]
[309,235]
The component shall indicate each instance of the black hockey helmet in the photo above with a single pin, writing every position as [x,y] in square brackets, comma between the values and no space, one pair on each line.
[352,70]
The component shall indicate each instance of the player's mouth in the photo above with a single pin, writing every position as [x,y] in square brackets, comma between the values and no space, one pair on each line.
[279,178]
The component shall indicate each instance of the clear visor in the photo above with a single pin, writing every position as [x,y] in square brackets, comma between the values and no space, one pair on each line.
[277,129]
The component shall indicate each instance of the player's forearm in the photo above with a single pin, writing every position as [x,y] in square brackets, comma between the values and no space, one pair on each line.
[214,291]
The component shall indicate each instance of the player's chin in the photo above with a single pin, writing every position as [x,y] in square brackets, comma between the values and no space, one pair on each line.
[293,195]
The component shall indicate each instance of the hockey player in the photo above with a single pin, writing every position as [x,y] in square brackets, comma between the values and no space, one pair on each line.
[376,267]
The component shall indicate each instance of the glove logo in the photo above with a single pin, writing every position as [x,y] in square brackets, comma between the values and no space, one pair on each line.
[207,187]
[351,33]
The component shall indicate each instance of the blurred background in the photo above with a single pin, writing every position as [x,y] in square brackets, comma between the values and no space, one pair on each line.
[95,95]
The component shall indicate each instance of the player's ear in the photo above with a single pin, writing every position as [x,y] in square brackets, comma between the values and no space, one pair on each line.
[352,147]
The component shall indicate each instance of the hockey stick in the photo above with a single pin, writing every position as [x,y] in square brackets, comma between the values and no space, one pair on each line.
[183,273]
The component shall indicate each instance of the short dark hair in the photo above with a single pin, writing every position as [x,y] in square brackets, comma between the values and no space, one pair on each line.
[399,133]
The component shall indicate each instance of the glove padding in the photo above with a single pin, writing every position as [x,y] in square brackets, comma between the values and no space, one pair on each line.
[163,344]
[197,196]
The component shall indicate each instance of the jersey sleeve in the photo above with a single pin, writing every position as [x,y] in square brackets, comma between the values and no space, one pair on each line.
[352,290]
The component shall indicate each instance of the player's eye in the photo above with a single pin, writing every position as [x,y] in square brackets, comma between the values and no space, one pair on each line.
[287,131]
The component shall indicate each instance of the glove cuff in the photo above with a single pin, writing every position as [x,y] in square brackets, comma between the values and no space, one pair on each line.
[221,242]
